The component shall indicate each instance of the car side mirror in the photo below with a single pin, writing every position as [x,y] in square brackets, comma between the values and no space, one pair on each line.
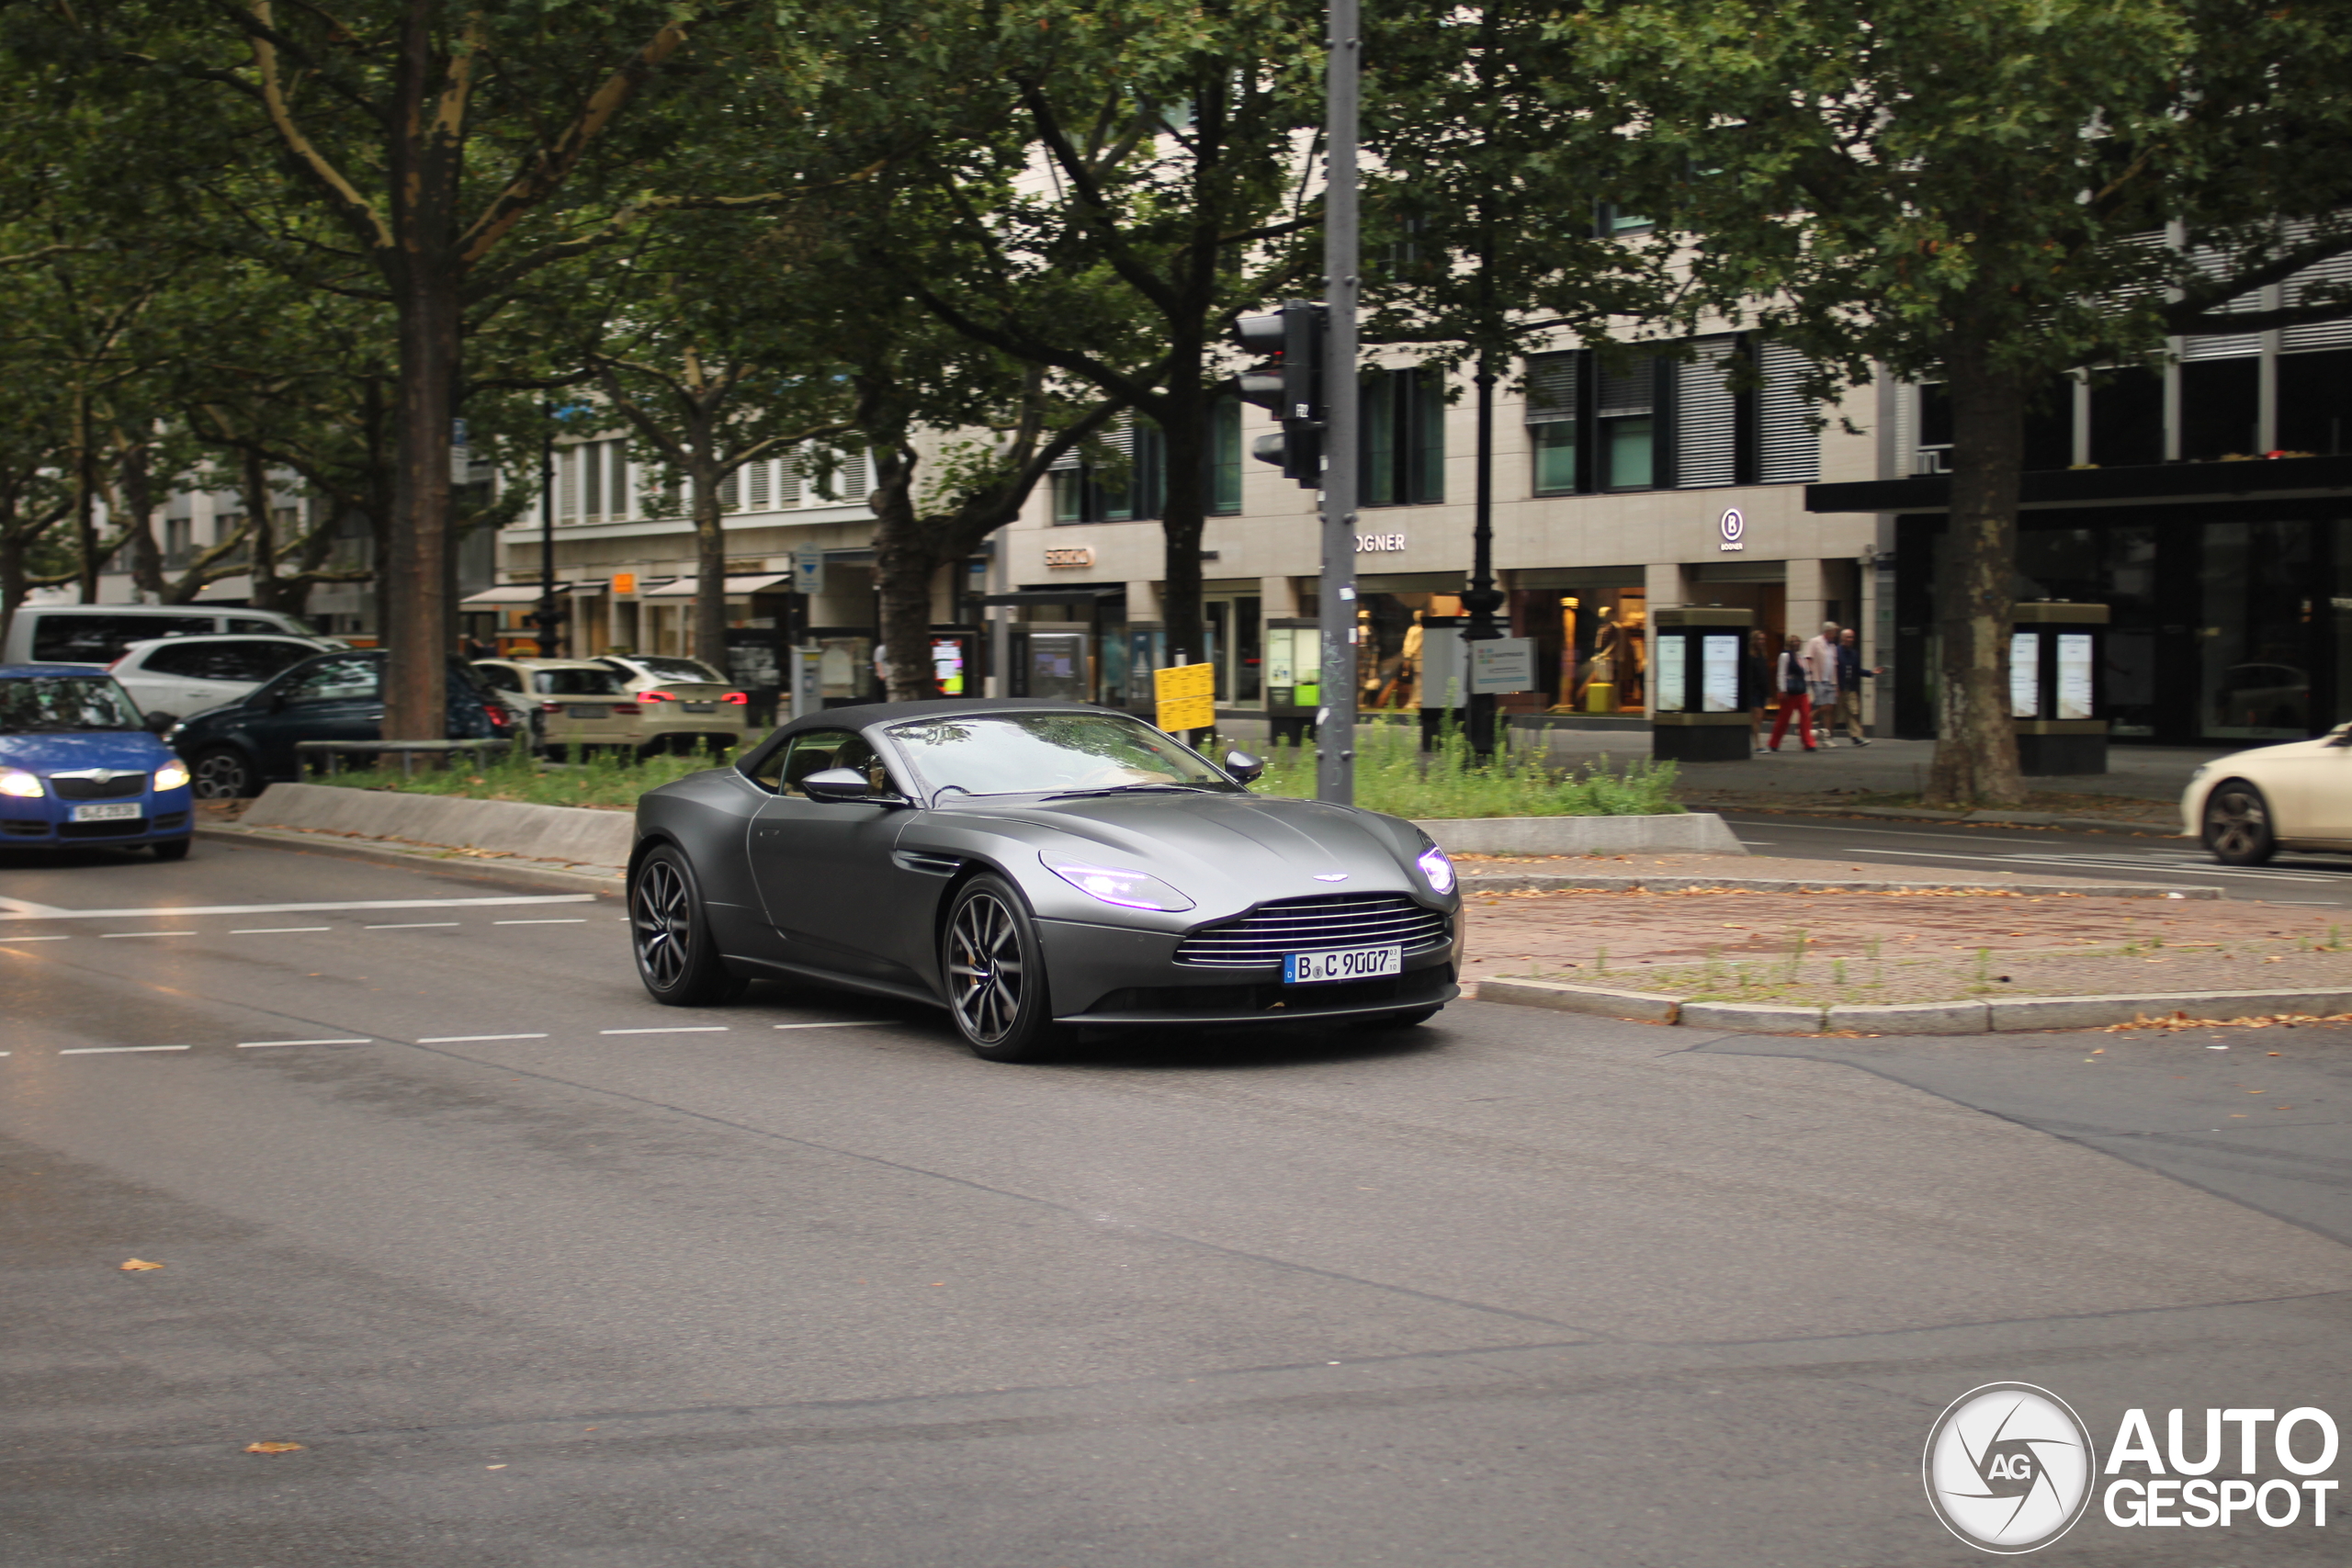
[1243,766]
[158,723]
[837,785]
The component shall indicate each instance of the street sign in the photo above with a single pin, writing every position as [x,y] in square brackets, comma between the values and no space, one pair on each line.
[1186,695]
[808,573]
[1502,665]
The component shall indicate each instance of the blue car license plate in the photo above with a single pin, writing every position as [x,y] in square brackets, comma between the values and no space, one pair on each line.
[1346,963]
[115,813]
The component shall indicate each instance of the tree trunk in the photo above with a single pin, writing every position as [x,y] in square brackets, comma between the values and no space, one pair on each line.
[710,549]
[416,570]
[135,483]
[86,500]
[12,545]
[1183,512]
[1976,745]
[255,474]
[906,562]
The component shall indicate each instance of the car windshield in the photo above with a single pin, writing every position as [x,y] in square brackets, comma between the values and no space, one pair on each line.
[53,704]
[1022,753]
[677,669]
[575,683]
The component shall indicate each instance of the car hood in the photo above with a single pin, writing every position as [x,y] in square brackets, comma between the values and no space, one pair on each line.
[1230,849]
[90,749]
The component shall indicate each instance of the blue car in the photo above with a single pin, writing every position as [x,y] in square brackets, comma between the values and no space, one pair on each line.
[78,766]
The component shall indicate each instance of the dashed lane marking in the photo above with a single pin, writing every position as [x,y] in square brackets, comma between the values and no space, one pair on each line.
[277,930]
[22,909]
[115,1050]
[35,939]
[470,1039]
[412,926]
[109,936]
[265,1044]
[674,1029]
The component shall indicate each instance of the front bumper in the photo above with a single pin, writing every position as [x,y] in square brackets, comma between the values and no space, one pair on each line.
[48,823]
[1110,975]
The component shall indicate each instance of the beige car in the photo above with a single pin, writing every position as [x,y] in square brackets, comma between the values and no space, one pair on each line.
[582,704]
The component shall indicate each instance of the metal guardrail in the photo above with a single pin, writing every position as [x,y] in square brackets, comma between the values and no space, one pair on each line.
[334,752]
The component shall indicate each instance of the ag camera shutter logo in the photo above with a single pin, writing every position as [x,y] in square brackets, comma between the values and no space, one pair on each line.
[2008,1468]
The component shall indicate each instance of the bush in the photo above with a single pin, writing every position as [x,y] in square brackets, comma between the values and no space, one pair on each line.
[1395,775]
[609,779]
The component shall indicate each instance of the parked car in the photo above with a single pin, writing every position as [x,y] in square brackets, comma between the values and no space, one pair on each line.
[1032,866]
[100,634]
[234,750]
[78,765]
[181,675]
[588,703]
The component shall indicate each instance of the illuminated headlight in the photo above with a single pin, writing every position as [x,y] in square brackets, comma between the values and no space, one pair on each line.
[172,775]
[1115,885]
[21,784]
[1437,868]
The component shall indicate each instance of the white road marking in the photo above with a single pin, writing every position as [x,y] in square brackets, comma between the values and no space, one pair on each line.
[109,936]
[35,939]
[18,910]
[845,1024]
[115,1050]
[565,921]
[468,1039]
[680,1029]
[415,925]
[277,930]
[265,1044]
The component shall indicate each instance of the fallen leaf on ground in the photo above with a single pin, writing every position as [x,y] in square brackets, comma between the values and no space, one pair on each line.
[139,1266]
[272,1448]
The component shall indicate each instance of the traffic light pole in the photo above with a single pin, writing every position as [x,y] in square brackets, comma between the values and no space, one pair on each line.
[1335,720]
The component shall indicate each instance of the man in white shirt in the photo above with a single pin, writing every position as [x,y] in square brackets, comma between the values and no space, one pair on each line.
[1820,655]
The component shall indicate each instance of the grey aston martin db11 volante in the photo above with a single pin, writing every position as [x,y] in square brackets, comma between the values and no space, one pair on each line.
[1033,867]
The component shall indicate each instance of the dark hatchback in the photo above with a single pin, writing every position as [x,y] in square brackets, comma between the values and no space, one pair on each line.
[237,748]
[78,766]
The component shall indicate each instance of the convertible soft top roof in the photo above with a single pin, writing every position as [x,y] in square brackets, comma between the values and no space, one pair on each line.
[866,714]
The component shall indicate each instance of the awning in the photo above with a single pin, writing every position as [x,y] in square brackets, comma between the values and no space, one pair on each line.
[514,593]
[737,587]
[1055,596]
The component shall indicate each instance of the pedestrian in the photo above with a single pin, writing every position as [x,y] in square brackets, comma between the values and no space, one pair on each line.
[1794,680]
[1850,676]
[1756,680]
[1821,674]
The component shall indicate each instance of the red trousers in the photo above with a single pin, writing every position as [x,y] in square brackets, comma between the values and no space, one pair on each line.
[1799,704]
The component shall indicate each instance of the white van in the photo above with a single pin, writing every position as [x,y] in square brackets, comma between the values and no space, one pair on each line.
[100,634]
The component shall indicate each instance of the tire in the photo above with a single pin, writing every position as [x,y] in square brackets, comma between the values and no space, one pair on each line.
[671,938]
[2237,824]
[1417,1017]
[172,849]
[993,967]
[224,772]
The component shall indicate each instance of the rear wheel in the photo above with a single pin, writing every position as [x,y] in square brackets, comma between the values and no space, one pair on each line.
[222,772]
[670,932]
[2237,824]
[995,970]
[172,849]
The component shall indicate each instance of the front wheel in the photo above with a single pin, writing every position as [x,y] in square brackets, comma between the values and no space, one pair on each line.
[222,772]
[2237,824]
[670,932]
[995,970]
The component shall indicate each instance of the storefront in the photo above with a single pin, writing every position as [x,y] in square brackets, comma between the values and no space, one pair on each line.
[1587,623]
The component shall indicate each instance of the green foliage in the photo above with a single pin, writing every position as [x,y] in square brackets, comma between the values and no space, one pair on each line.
[607,779]
[1395,775]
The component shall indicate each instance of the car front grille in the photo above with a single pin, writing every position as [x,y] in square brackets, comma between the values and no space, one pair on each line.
[98,784]
[1258,938]
[123,827]
[169,820]
[1279,1001]
[26,829]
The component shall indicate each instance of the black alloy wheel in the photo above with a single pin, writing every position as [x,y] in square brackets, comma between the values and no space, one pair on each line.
[2237,824]
[671,936]
[222,772]
[172,849]
[995,971]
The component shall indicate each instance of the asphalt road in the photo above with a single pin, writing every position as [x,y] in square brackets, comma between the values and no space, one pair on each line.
[535,1278]
[2039,851]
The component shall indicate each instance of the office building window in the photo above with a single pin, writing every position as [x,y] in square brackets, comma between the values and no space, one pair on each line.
[1552,422]
[1628,424]
[1125,480]
[1224,457]
[1403,414]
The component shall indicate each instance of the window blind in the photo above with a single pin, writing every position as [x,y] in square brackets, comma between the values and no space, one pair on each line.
[1790,449]
[1552,388]
[1707,437]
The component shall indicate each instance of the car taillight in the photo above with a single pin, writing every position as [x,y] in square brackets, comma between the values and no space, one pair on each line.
[499,717]
[550,708]
[656,697]
[735,697]
[625,710]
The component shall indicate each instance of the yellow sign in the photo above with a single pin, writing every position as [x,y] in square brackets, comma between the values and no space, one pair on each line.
[624,582]
[1186,695]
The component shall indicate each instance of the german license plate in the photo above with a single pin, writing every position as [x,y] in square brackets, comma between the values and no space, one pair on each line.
[594,710]
[1348,963]
[702,707]
[114,813]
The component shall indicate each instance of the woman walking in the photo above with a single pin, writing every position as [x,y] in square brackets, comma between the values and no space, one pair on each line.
[1791,680]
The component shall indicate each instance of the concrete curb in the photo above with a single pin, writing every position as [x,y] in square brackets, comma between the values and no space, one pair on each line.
[566,835]
[549,875]
[1991,1016]
[1975,818]
[1541,880]
[1682,832]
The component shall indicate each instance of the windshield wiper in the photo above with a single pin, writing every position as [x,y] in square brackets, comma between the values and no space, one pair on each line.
[1128,789]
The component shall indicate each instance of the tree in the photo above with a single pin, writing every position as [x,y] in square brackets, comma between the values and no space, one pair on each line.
[1965,192]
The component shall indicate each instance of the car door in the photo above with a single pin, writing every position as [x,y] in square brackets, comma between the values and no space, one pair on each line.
[824,868]
[2320,806]
[336,698]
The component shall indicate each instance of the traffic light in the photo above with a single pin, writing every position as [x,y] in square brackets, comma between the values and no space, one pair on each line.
[1288,379]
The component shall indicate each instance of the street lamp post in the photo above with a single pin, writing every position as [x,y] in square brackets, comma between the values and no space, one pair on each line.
[1484,599]
[1335,718]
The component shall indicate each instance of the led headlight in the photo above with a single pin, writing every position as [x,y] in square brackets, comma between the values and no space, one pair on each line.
[172,775]
[1115,885]
[1437,868]
[18,783]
